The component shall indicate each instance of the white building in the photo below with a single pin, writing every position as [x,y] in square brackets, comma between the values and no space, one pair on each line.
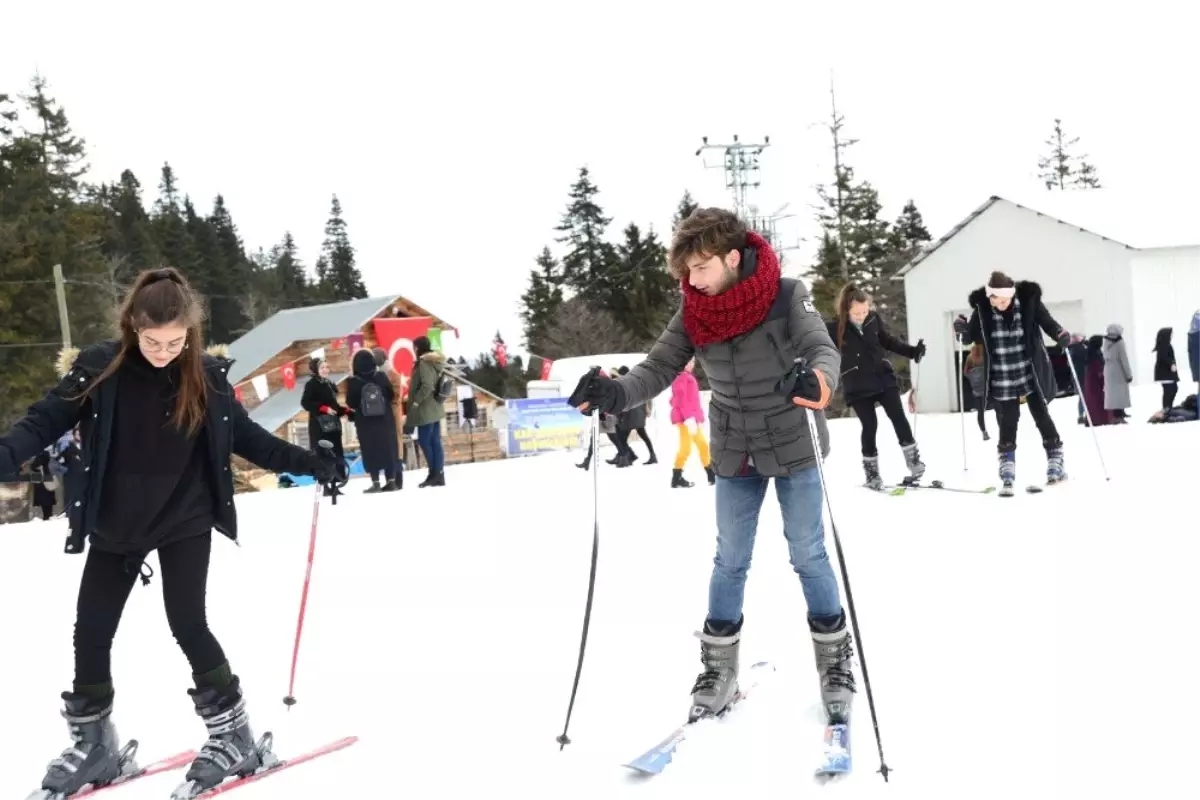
[1099,257]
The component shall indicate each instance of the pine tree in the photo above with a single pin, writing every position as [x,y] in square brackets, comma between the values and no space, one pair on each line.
[293,288]
[541,300]
[1061,168]
[341,279]
[650,295]
[61,151]
[684,210]
[590,262]
[908,237]
[169,227]
[134,236]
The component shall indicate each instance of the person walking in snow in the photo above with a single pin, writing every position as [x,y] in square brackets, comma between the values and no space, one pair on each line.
[320,400]
[1008,318]
[868,378]
[426,409]
[1166,371]
[687,415]
[160,423]
[1118,374]
[370,397]
[770,363]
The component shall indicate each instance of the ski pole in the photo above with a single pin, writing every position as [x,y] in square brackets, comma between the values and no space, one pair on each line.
[290,699]
[564,740]
[884,769]
[1087,413]
[912,396]
[958,379]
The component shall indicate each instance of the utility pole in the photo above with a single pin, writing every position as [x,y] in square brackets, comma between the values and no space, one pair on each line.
[740,163]
[60,289]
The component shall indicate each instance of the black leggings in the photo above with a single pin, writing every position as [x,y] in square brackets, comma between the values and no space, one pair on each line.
[894,408]
[641,432]
[1169,392]
[104,588]
[1009,414]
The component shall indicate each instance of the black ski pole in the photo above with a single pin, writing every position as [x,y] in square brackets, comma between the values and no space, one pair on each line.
[884,769]
[564,740]
[785,386]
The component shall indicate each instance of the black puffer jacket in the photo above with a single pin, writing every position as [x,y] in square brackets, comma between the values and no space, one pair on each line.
[866,371]
[228,428]
[1165,369]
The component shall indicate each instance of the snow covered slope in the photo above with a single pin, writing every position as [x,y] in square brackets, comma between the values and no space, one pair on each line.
[1039,646]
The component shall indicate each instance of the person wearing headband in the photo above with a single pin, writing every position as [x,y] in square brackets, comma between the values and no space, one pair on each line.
[1008,318]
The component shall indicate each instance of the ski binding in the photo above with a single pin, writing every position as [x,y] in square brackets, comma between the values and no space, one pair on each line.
[271,764]
[130,772]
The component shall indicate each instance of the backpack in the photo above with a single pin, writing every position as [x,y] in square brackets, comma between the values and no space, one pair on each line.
[372,403]
[444,386]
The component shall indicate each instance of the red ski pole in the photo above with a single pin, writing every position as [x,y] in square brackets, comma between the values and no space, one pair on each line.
[290,700]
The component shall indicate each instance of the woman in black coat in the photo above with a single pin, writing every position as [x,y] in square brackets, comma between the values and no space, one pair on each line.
[159,424]
[1166,371]
[868,377]
[370,397]
[320,400]
[632,420]
[1009,319]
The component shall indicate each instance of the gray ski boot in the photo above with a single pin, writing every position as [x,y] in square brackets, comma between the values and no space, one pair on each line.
[871,468]
[230,750]
[1008,472]
[96,758]
[834,650]
[912,459]
[717,685]
[1055,471]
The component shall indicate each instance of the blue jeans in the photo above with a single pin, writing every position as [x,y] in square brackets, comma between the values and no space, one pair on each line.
[738,502]
[429,437]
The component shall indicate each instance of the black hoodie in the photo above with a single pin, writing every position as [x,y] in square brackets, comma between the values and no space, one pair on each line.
[1165,369]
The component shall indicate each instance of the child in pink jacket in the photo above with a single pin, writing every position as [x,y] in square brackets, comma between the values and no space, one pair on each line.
[687,415]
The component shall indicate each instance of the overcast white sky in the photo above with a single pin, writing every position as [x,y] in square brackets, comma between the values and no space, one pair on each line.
[452,131]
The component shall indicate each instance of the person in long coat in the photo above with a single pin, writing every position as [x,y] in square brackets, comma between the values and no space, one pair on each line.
[376,431]
[1118,374]
[325,413]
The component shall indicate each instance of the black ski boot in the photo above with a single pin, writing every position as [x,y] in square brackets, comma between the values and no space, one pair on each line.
[717,685]
[834,649]
[712,476]
[230,750]
[871,468]
[96,758]
[678,481]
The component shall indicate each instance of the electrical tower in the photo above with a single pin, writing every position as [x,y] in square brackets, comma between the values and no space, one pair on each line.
[740,162]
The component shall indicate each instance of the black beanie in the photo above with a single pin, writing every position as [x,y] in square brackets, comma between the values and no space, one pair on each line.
[422,346]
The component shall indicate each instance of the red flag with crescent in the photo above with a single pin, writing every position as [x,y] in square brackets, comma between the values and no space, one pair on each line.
[289,376]
[395,335]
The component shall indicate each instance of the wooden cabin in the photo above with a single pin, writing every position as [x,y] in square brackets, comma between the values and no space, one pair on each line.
[276,353]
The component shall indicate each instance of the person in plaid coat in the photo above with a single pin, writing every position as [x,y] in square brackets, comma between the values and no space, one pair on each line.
[1008,318]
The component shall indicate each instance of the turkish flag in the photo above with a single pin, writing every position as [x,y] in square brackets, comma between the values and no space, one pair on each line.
[237,392]
[289,376]
[395,335]
[546,365]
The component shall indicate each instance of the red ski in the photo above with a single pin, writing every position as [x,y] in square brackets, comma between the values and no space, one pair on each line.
[177,761]
[340,744]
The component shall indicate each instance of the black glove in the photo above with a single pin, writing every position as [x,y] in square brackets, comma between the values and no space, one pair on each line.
[920,351]
[408,429]
[328,468]
[962,326]
[594,392]
[805,386]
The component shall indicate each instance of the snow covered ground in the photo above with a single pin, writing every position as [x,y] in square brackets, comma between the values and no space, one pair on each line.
[1041,646]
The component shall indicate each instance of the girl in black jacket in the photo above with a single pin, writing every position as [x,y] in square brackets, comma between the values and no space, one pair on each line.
[320,400]
[1009,319]
[868,378]
[1166,371]
[159,422]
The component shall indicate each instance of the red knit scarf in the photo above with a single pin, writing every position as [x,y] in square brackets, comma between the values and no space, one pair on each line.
[741,308]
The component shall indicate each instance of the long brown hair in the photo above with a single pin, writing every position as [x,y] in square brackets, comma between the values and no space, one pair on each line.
[849,295]
[162,297]
[975,357]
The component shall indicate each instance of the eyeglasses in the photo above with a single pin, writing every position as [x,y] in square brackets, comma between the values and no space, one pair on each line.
[157,347]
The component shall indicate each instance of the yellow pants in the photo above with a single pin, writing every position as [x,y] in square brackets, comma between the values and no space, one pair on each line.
[686,438]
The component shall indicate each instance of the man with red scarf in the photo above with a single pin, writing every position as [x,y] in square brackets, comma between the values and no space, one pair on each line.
[753,332]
